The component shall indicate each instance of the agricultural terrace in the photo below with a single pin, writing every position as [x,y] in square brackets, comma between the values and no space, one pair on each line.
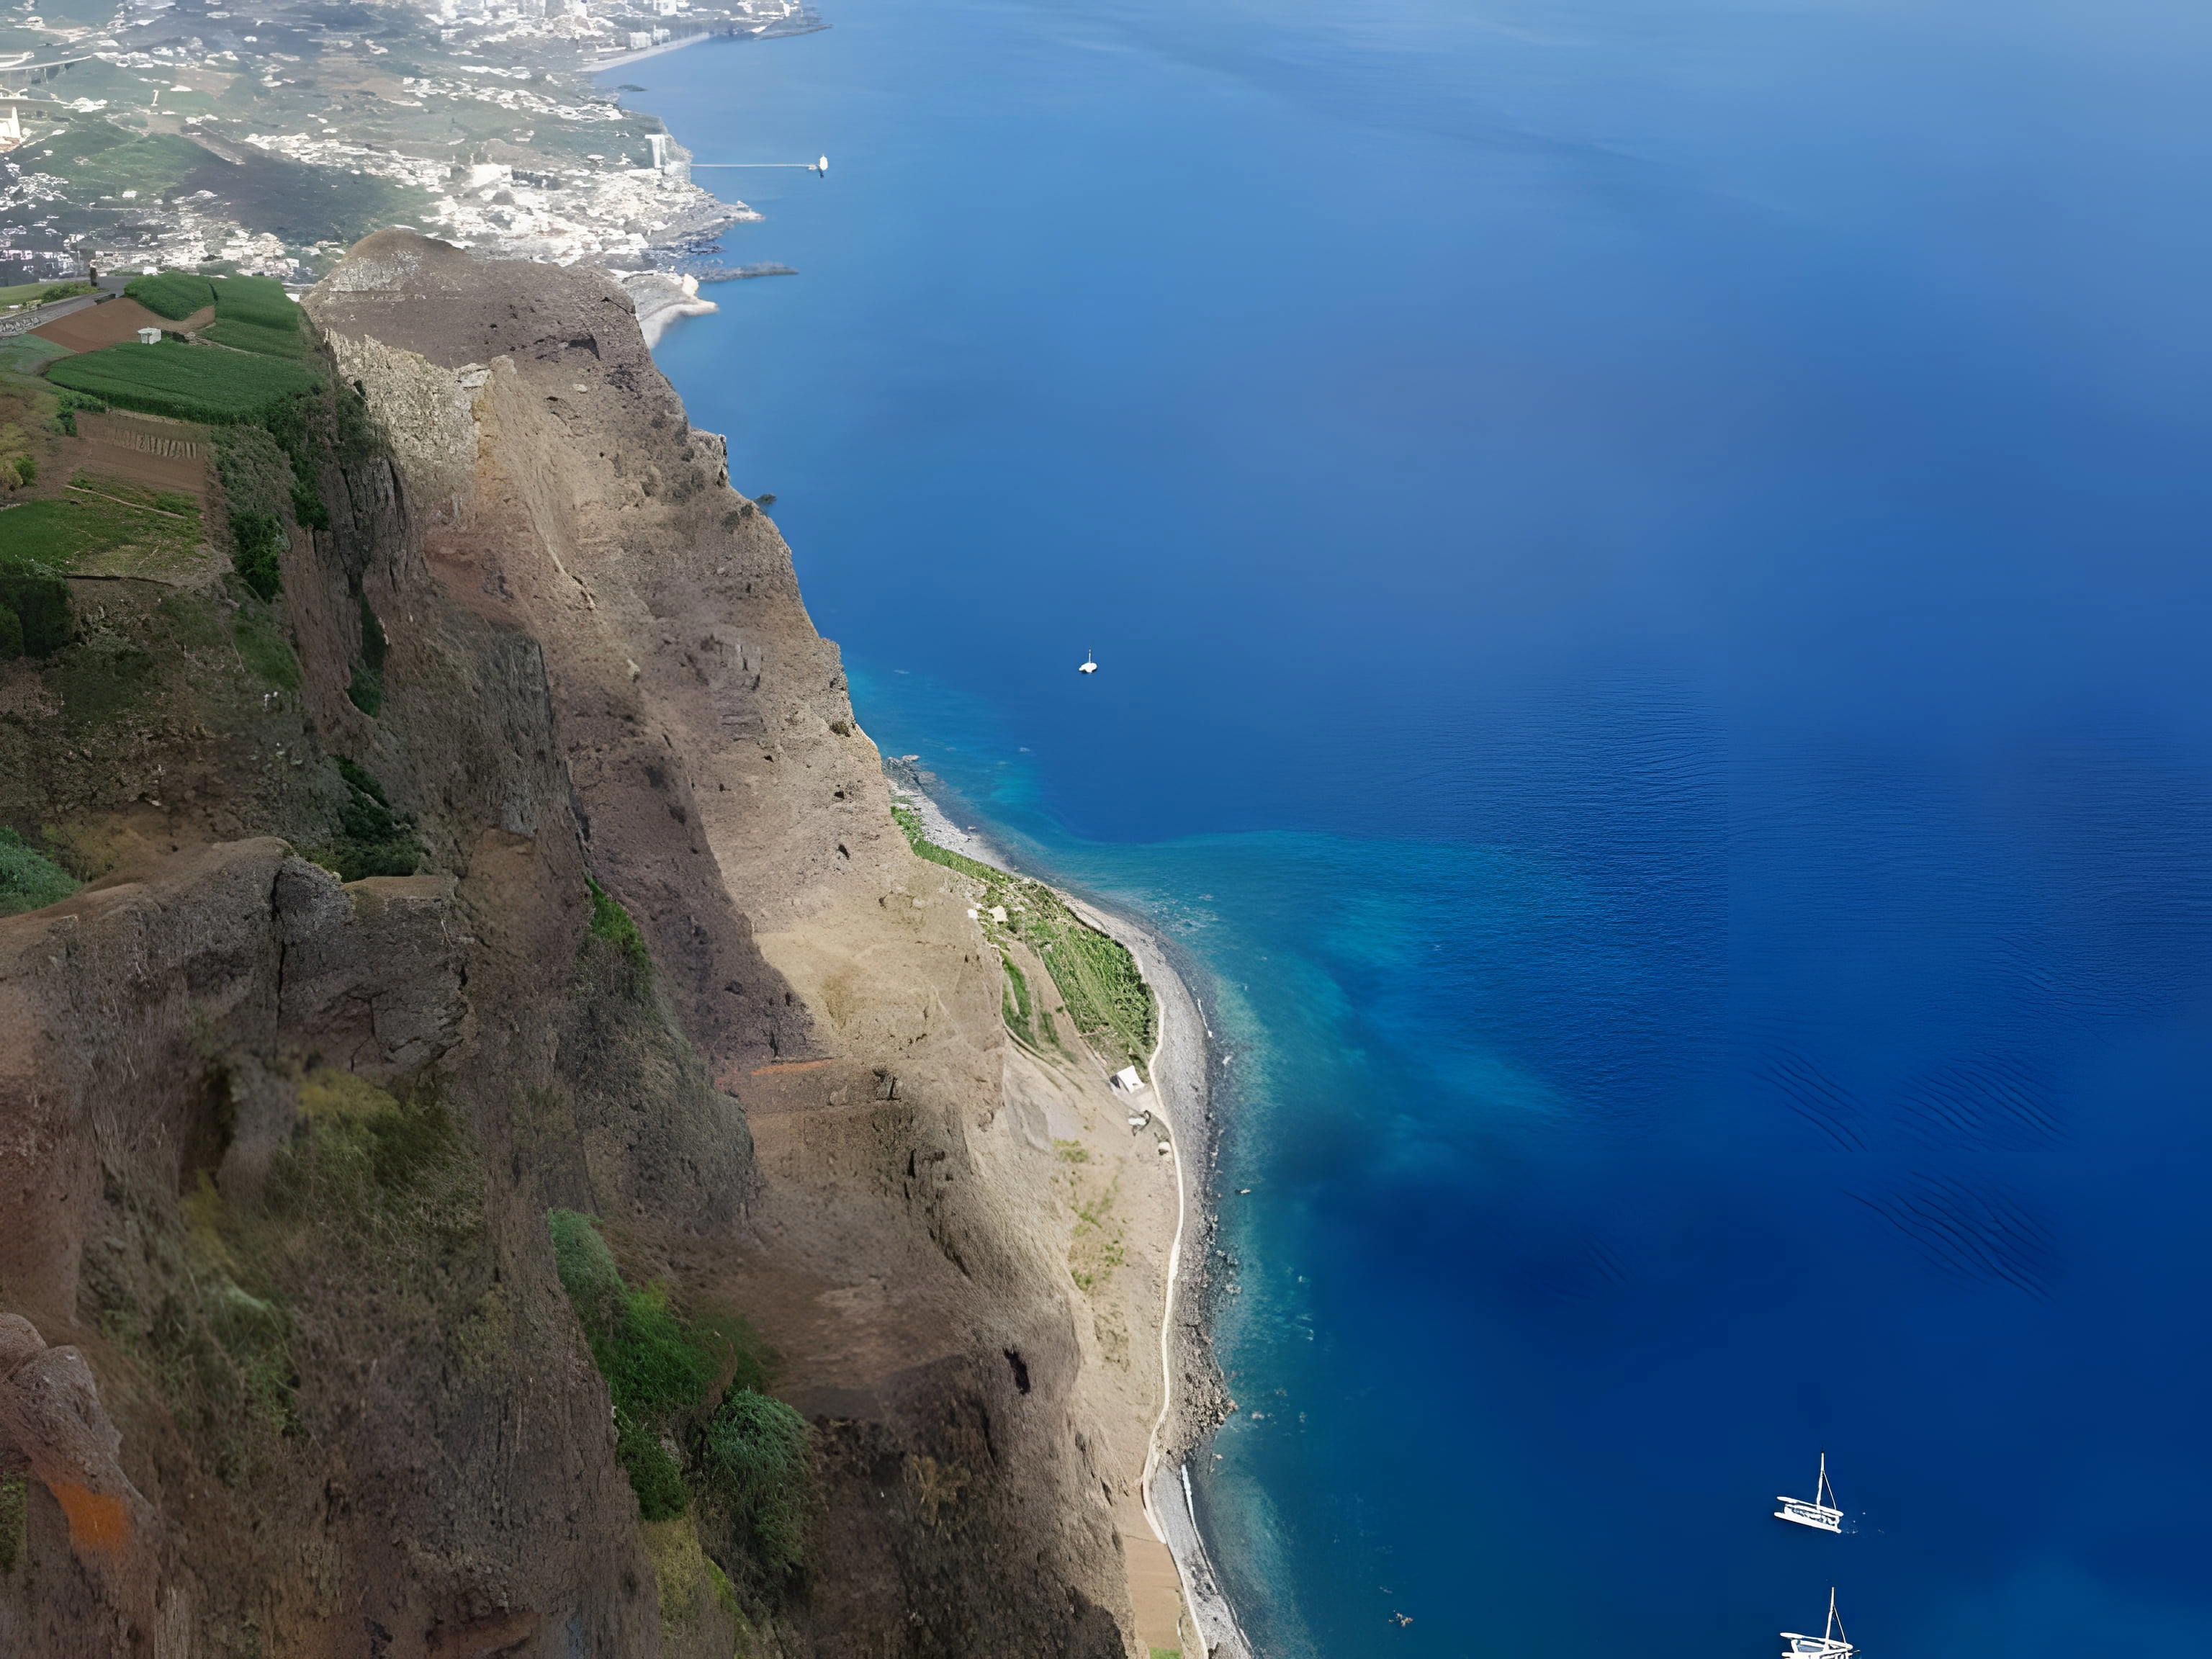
[253,313]
[175,295]
[1097,977]
[187,382]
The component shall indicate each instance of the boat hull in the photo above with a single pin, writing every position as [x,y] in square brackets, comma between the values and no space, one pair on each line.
[1809,1515]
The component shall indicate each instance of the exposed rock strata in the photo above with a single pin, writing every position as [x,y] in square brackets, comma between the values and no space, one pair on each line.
[598,664]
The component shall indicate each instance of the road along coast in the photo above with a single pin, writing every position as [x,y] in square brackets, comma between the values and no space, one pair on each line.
[1191,1398]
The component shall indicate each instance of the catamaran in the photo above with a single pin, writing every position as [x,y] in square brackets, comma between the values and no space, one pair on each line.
[1820,1511]
[1830,1644]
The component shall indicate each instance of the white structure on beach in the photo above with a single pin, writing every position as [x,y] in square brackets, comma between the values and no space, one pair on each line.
[1128,1082]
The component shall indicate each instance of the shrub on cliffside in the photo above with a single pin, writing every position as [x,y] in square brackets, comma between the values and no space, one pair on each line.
[759,1460]
[373,839]
[35,612]
[256,486]
[658,1367]
[366,692]
[752,1458]
[29,880]
[612,923]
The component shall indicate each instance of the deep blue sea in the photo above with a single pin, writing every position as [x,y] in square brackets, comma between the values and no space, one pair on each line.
[1651,562]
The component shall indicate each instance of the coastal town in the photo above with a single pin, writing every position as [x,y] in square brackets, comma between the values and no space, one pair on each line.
[263,141]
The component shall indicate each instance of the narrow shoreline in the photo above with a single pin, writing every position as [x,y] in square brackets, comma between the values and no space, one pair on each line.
[1192,1397]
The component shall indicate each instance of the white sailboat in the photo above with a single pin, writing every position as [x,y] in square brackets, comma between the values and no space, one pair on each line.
[1830,1644]
[1820,1511]
[1087,666]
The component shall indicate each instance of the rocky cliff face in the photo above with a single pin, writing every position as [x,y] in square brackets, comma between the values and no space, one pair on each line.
[285,1365]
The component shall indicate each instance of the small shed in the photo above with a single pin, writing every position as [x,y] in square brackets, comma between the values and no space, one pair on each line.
[1128,1082]
[149,336]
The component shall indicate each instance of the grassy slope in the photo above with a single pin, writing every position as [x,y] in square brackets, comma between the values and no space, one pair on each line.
[105,523]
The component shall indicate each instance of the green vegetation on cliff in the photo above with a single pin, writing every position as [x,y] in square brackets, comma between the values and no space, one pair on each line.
[1098,979]
[257,480]
[370,1202]
[29,880]
[693,1389]
[35,613]
[372,840]
[758,1461]
[611,922]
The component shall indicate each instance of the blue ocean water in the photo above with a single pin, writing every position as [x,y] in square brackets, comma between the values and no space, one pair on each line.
[1649,560]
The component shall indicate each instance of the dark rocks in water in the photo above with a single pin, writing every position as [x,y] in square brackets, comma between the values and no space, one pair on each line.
[738,273]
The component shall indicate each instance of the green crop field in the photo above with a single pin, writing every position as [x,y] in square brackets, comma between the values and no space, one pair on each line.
[175,295]
[253,337]
[252,314]
[189,382]
[259,300]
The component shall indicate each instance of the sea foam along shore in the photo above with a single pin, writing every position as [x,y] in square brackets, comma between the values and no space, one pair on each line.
[660,297]
[1193,1399]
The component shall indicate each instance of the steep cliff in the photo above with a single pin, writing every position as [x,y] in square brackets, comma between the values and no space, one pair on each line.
[288,1363]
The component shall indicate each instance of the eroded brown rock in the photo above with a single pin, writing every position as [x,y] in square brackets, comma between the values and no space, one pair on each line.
[360,1420]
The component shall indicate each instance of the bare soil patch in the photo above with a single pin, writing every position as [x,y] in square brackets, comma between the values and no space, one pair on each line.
[146,449]
[112,324]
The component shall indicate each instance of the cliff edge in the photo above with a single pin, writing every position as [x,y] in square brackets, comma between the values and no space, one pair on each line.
[507,1151]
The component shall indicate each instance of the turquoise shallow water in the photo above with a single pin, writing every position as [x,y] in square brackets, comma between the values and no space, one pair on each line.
[1648,563]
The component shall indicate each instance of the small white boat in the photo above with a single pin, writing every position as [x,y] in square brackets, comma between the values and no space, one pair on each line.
[1830,1644]
[1819,1510]
[1088,666]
